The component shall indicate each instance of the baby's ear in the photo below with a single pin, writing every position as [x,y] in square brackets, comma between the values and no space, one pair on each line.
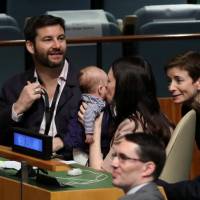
[100,87]
[100,90]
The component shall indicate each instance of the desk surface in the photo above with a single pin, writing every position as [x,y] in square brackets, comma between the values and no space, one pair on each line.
[51,165]
[90,185]
[89,179]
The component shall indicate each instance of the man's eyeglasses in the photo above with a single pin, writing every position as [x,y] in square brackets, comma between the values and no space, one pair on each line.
[122,157]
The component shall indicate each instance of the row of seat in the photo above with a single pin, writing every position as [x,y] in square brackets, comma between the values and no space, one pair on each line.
[162,19]
[166,19]
[24,8]
[12,57]
[121,8]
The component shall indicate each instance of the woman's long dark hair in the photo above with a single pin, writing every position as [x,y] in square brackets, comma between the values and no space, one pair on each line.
[135,92]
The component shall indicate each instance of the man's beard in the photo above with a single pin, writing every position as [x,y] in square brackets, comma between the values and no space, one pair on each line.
[44,60]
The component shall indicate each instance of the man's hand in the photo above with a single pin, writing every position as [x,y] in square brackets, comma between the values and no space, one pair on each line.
[30,93]
[57,144]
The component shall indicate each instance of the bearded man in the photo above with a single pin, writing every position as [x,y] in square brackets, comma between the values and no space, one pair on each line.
[45,98]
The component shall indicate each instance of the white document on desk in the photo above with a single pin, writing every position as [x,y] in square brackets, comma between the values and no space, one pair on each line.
[10,165]
[68,162]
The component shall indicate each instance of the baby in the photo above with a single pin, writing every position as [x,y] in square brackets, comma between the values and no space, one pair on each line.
[93,83]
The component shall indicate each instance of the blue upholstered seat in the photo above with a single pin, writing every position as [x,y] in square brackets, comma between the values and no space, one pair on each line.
[25,8]
[12,57]
[121,8]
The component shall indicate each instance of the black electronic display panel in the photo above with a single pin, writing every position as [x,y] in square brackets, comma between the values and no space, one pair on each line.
[31,143]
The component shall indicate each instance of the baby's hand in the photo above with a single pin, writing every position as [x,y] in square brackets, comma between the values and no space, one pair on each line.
[89,139]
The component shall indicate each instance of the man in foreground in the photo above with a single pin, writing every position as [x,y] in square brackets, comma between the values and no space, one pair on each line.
[137,161]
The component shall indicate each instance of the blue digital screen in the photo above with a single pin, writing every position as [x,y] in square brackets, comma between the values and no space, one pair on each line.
[28,142]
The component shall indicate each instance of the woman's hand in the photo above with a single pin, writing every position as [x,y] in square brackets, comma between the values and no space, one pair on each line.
[81,112]
[95,154]
[98,121]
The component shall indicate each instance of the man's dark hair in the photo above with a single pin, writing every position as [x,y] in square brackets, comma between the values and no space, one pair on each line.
[151,148]
[36,22]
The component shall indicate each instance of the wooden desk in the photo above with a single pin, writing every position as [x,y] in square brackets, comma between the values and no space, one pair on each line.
[51,165]
[11,190]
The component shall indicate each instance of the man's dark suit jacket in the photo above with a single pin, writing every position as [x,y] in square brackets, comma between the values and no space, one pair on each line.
[32,118]
[184,190]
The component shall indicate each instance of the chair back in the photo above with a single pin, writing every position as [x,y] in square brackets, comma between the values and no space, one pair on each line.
[122,8]
[12,57]
[162,191]
[26,8]
[180,150]
[90,23]
[166,19]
